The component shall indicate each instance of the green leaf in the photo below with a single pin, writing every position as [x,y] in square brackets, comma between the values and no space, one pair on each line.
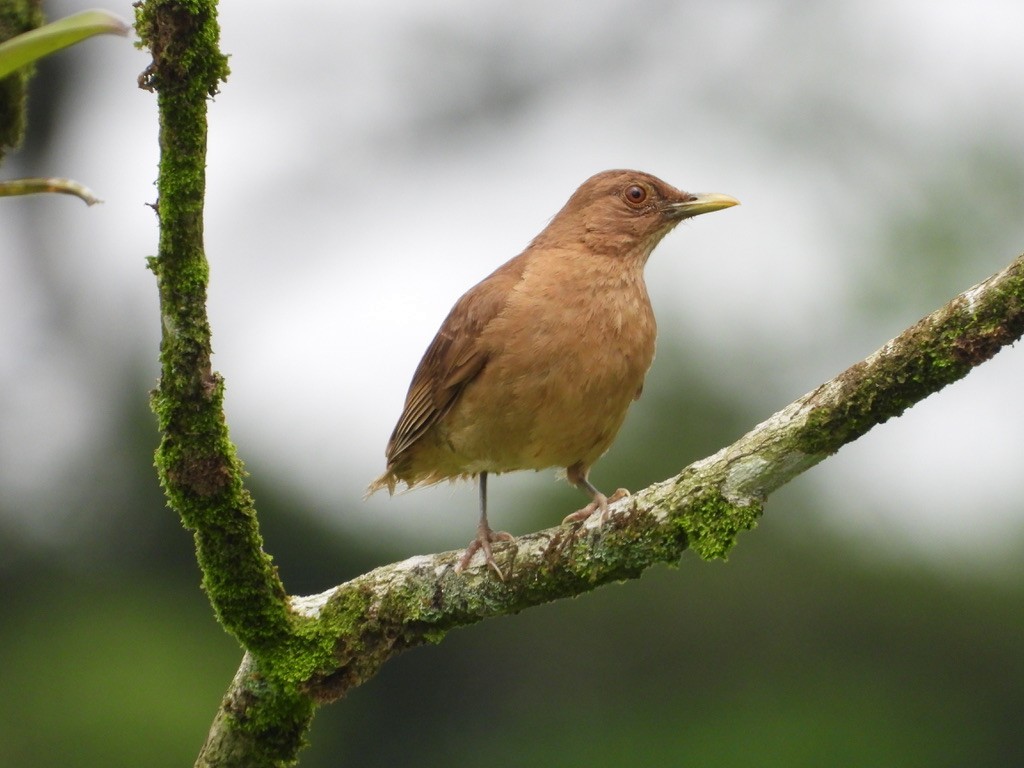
[30,46]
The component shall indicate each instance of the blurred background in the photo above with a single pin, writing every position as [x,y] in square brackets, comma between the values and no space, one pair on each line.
[368,162]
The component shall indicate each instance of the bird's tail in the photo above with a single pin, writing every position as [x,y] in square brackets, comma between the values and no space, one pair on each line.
[387,480]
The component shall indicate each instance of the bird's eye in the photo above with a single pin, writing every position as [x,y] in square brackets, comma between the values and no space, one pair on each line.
[635,194]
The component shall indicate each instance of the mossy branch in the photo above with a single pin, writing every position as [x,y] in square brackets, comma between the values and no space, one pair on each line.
[199,469]
[703,508]
[356,627]
[305,651]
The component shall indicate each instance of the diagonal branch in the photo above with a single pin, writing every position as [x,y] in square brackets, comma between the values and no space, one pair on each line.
[703,508]
[368,620]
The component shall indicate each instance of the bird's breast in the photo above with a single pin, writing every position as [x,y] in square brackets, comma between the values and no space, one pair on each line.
[567,355]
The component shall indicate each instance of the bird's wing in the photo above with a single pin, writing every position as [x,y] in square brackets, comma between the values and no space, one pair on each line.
[454,357]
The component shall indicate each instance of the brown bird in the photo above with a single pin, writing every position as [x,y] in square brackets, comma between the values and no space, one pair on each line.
[536,365]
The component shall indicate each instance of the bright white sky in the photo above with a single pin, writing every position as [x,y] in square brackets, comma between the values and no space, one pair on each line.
[369,161]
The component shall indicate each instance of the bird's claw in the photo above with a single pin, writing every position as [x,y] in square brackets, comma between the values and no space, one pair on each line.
[484,538]
[600,503]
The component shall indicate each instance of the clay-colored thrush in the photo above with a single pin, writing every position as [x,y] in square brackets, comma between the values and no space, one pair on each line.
[536,365]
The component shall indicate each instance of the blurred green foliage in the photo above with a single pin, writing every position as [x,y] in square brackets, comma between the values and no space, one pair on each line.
[921,246]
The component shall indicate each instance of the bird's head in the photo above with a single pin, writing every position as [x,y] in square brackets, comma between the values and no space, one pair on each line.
[625,214]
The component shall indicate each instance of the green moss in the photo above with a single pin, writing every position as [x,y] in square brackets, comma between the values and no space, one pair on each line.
[274,720]
[711,524]
[184,38]
[329,642]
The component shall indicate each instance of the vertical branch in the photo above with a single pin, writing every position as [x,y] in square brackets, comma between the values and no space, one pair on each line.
[197,463]
[266,714]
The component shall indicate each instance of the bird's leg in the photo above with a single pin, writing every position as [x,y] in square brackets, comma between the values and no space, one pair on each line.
[484,536]
[577,475]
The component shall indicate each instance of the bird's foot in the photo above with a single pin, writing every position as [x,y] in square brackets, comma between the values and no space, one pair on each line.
[600,503]
[484,538]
